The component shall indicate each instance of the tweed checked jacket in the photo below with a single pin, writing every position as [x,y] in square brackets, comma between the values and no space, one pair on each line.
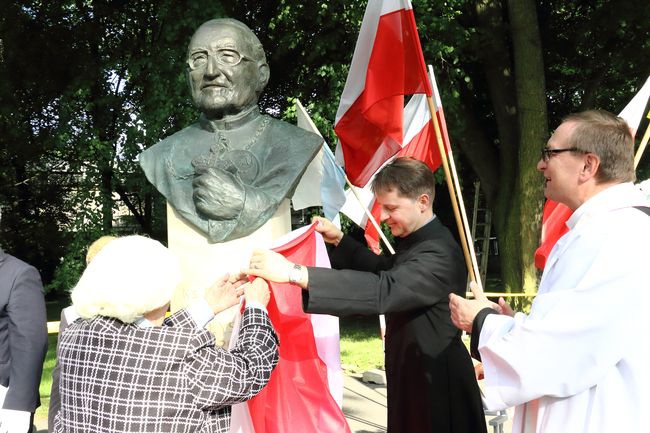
[117,377]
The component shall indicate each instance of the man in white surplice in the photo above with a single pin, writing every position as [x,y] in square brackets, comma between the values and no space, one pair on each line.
[578,362]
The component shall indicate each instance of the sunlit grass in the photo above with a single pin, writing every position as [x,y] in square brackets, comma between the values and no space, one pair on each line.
[361,347]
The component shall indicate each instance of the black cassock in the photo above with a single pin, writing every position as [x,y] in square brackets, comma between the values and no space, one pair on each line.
[431,382]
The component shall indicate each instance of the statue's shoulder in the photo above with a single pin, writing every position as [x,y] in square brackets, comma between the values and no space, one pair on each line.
[285,129]
[168,142]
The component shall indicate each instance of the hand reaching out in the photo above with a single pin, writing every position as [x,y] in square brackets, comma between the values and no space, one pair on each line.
[331,233]
[225,292]
[463,311]
[258,291]
[269,265]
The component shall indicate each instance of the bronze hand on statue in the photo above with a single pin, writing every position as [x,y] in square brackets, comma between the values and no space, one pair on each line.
[218,194]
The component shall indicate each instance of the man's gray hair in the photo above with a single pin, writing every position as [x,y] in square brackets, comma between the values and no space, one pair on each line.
[128,277]
[608,136]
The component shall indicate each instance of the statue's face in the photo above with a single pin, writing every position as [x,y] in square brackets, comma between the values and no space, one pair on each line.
[224,77]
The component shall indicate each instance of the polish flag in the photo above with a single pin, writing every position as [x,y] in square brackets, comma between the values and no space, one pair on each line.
[305,393]
[387,64]
[420,140]
[556,214]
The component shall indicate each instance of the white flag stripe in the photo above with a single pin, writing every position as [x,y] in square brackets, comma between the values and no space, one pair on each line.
[307,193]
[437,102]
[634,110]
[416,117]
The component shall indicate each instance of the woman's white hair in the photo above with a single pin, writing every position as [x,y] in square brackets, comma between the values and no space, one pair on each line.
[128,277]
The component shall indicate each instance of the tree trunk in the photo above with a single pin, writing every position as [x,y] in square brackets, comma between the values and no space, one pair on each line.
[504,201]
[533,130]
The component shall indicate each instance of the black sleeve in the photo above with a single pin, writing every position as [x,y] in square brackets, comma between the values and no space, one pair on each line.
[476,331]
[350,254]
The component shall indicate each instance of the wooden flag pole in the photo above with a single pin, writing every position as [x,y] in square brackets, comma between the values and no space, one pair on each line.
[372,219]
[463,213]
[644,142]
[452,193]
[382,318]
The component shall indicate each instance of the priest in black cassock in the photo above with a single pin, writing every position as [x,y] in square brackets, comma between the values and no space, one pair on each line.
[431,381]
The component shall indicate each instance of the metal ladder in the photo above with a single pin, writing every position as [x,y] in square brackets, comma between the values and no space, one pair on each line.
[481,220]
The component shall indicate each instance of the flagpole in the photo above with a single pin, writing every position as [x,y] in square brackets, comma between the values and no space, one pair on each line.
[644,142]
[463,213]
[372,219]
[452,193]
[382,318]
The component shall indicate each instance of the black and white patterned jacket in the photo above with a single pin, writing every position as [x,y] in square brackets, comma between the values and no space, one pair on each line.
[117,377]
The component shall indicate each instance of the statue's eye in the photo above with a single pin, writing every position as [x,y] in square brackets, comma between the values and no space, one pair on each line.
[198,60]
[228,57]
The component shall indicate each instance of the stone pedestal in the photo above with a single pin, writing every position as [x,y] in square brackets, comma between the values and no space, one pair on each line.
[203,263]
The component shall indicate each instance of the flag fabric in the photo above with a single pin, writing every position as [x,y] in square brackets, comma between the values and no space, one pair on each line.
[323,182]
[387,64]
[555,215]
[305,391]
[420,143]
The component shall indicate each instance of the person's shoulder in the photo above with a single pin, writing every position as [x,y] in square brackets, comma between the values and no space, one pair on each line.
[14,263]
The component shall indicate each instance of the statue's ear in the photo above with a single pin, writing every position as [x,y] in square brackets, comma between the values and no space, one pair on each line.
[264,75]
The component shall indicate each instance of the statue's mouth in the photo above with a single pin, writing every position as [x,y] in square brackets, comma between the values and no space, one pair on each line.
[213,85]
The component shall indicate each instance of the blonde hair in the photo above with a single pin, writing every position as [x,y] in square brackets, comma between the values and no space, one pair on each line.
[127,278]
[94,248]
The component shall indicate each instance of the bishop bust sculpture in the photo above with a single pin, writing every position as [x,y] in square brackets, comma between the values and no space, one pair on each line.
[227,174]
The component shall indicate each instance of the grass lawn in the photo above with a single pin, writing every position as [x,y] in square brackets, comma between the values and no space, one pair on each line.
[361,347]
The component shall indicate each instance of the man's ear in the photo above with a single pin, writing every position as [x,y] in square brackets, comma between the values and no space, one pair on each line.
[424,201]
[264,75]
[590,166]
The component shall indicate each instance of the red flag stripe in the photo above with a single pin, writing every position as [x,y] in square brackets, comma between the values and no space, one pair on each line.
[370,128]
[297,398]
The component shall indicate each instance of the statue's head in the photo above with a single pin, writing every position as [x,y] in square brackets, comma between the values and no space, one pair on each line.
[227,68]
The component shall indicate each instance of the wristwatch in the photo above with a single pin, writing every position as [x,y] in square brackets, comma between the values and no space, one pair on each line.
[295,274]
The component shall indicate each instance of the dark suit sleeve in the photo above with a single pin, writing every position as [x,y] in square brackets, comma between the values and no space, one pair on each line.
[477,325]
[350,254]
[425,279]
[28,340]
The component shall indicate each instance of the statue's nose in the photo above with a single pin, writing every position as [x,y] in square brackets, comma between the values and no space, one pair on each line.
[213,68]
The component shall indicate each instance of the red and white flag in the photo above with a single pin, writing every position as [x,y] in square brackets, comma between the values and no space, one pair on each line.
[420,143]
[387,64]
[556,214]
[305,392]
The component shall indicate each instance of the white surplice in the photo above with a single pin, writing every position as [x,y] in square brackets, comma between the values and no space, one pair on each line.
[579,361]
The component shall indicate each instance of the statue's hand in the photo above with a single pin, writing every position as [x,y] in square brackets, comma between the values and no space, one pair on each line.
[218,194]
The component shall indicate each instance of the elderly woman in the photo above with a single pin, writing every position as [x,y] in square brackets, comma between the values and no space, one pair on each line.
[127,368]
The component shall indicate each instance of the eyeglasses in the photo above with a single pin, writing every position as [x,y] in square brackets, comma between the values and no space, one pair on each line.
[225,57]
[548,152]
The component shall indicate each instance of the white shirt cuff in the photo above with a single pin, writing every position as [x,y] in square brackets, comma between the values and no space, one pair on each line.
[200,312]
[14,420]
[253,304]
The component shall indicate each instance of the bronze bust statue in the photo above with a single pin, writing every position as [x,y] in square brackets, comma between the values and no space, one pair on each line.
[227,173]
